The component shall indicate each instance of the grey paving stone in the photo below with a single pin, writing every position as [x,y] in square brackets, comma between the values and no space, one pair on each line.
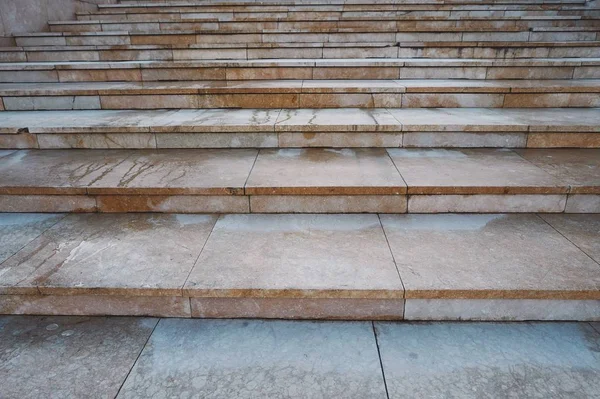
[257,359]
[18,229]
[491,360]
[68,357]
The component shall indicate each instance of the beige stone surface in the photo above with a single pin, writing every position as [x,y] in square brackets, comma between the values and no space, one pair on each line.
[488,203]
[324,171]
[127,254]
[172,203]
[563,140]
[581,230]
[47,203]
[298,308]
[579,168]
[352,139]
[472,171]
[502,309]
[95,305]
[296,256]
[204,172]
[17,230]
[328,203]
[488,257]
[583,203]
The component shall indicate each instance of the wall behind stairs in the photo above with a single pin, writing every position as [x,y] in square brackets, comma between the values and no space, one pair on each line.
[18,16]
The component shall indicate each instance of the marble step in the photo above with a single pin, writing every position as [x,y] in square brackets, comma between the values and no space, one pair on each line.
[403,68]
[503,267]
[293,128]
[295,180]
[340,30]
[304,51]
[415,93]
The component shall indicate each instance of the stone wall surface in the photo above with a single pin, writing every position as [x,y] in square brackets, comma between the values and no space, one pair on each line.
[18,16]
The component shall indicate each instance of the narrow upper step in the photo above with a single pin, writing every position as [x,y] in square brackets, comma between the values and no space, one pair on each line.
[301,180]
[380,69]
[506,267]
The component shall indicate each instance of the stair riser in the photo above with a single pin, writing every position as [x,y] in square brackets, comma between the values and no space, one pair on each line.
[353,139]
[298,53]
[302,100]
[250,38]
[477,203]
[307,73]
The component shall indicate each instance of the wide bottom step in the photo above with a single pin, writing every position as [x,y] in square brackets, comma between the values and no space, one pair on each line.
[414,267]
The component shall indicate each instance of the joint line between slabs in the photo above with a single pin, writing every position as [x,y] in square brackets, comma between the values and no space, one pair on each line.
[567,238]
[137,358]
[395,264]
[387,394]
[197,258]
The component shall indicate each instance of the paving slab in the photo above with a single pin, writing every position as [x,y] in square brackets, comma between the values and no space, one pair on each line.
[250,359]
[125,254]
[472,171]
[581,230]
[18,229]
[324,171]
[579,168]
[56,357]
[336,120]
[490,360]
[494,256]
[297,256]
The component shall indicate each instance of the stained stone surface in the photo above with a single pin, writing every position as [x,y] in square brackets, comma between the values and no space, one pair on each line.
[296,256]
[76,357]
[18,229]
[581,230]
[488,256]
[324,171]
[470,171]
[491,360]
[251,359]
[580,168]
[121,254]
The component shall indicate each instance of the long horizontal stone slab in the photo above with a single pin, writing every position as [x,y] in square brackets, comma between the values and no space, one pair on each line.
[306,181]
[341,127]
[303,94]
[381,69]
[303,266]
[310,50]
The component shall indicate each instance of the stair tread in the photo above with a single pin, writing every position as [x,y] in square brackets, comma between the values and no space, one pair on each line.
[304,120]
[304,256]
[367,171]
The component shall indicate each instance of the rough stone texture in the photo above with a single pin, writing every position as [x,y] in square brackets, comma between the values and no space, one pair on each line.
[296,256]
[56,357]
[577,203]
[501,309]
[581,230]
[95,305]
[298,308]
[17,230]
[545,360]
[483,203]
[248,359]
[125,254]
[492,256]
[328,203]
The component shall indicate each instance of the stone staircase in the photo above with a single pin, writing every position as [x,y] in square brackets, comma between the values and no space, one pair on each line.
[443,157]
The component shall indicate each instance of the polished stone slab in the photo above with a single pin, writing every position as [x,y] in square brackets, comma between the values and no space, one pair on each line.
[579,168]
[125,254]
[324,171]
[336,119]
[296,256]
[472,171]
[488,257]
[17,230]
[68,356]
[249,359]
[581,230]
[475,360]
